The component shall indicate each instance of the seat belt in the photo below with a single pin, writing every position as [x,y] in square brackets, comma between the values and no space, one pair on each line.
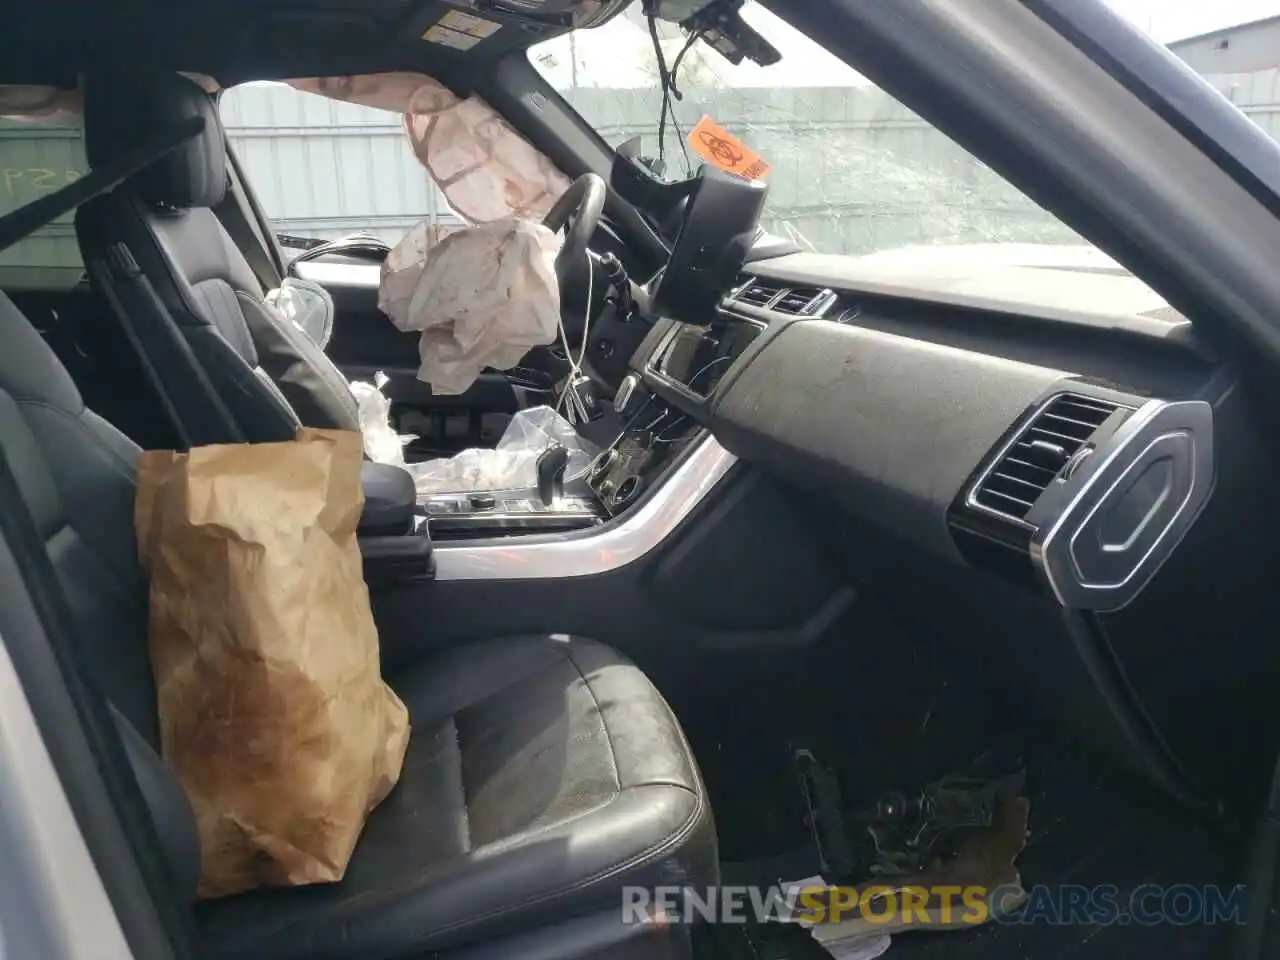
[107,761]
[135,302]
[243,228]
[29,218]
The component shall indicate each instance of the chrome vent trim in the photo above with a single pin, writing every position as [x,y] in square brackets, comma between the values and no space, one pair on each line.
[758,293]
[1129,507]
[1052,440]
[792,301]
[797,301]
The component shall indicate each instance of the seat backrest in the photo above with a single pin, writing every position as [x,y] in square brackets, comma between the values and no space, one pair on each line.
[75,476]
[209,331]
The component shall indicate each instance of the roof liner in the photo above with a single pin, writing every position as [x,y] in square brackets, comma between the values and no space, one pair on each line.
[238,40]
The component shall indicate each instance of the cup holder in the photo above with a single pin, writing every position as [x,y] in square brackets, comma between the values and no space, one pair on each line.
[627,490]
[602,466]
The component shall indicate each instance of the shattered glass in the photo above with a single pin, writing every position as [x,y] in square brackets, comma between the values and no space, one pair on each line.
[853,171]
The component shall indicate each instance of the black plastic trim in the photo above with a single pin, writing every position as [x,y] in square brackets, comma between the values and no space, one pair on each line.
[83,741]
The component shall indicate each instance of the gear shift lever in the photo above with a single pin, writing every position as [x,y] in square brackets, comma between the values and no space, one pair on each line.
[551,465]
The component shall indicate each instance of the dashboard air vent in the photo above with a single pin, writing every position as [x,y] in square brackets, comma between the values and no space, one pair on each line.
[759,293]
[1039,453]
[798,300]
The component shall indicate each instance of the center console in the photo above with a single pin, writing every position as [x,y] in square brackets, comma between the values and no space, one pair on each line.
[504,513]
[660,404]
[654,435]
[692,360]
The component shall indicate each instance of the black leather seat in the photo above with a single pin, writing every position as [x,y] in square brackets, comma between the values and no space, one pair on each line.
[544,774]
[215,343]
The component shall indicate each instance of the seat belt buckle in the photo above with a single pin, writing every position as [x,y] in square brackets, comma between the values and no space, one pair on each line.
[121,263]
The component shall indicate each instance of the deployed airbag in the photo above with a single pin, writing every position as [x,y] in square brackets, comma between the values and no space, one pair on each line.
[482,297]
[485,169]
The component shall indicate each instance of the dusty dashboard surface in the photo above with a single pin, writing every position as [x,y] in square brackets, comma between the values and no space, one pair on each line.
[943,416]
[1072,454]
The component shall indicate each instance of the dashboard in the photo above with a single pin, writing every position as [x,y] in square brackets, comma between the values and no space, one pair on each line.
[1040,463]
[1049,475]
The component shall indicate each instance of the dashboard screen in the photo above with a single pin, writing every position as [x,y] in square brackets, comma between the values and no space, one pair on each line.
[698,357]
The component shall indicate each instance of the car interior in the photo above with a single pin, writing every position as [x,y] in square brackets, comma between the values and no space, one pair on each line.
[853,530]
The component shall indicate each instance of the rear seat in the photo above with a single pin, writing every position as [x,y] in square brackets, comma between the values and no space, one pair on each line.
[545,773]
[85,337]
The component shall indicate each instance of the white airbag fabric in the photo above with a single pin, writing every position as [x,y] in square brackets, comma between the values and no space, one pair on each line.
[482,297]
[511,465]
[484,167]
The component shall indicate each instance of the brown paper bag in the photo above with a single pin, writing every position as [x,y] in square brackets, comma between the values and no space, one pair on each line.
[272,707]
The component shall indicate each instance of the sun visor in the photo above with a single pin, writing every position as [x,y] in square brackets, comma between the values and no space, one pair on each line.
[60,106]
[486,170]
[34,103]
[470,25]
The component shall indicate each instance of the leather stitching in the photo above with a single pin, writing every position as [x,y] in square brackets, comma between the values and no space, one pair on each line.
[613,754]
[124,468]
[695,819]
[675,840]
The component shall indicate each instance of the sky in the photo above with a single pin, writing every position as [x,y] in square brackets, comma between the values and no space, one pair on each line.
[619,53]
[1169,20]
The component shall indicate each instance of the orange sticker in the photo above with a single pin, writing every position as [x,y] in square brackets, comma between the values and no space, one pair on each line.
[720,148]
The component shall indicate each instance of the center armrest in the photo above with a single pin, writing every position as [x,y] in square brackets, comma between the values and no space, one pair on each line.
[390,500]
[395,547]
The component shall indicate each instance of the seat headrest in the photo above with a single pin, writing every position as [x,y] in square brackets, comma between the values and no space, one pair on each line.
[122,109]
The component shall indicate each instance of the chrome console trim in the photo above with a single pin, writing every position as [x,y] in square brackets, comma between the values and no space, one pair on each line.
[601,549]
[1081,563]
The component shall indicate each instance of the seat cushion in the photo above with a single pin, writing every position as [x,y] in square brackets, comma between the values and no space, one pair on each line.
[544,774]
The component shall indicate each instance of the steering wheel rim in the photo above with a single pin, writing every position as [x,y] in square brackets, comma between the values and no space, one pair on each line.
[579,208]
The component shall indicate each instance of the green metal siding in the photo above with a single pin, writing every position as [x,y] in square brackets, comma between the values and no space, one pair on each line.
[36,160]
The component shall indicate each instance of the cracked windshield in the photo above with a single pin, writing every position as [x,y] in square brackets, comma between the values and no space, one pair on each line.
[850,170]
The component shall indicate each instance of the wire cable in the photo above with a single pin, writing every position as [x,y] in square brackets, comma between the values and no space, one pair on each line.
[575,366]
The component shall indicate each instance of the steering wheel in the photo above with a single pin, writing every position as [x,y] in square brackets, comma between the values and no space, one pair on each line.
[579,209]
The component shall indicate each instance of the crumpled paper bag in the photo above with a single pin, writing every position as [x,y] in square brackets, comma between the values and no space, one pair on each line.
[273,712]
[482,297]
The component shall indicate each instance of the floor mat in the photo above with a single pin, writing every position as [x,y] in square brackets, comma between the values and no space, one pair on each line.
[1091,824]
[887,708]
[883,706]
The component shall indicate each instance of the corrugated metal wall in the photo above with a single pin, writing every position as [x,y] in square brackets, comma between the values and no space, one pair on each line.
[326,169]
[36,160]
[1256,94]
[853,170]
[1247,48]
